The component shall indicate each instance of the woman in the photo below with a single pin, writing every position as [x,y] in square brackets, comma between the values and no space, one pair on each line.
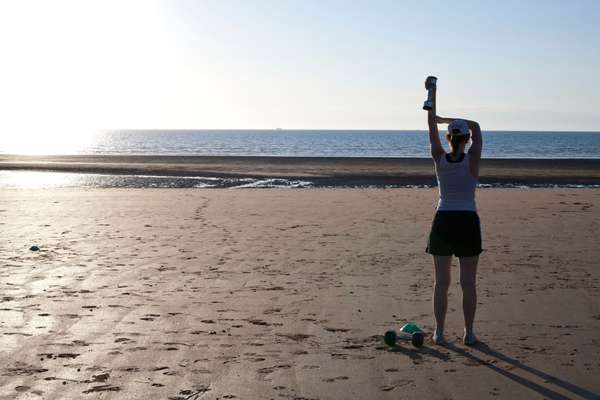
[455,229]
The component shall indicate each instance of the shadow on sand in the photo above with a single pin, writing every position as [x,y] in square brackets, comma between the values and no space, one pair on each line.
[417,354]
[543,390]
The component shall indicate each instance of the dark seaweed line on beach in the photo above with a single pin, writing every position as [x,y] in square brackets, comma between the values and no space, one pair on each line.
[319,172]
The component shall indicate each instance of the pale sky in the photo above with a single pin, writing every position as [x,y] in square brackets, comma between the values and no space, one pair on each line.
[70,67]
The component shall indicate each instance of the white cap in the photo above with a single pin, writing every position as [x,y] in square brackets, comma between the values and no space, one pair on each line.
[458,127]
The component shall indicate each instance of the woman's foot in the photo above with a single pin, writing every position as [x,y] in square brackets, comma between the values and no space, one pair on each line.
[438,337]
[469,339]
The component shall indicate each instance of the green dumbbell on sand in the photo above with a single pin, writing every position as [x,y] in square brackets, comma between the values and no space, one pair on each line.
[409,331]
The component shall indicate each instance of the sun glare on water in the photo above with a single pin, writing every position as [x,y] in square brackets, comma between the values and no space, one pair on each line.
[47,141]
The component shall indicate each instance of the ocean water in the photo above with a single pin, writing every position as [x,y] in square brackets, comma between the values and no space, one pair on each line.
[331,143]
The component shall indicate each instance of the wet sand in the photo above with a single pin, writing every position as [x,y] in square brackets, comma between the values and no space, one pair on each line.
[260,294]
[323,170]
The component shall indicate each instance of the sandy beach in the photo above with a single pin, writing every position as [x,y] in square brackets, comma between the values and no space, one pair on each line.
[327,171]
[284,294]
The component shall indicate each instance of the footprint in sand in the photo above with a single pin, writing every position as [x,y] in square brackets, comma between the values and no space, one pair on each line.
[473,363]
[139,348]
[296,337]
[150,317]
[269,370]
[60,355]
[258,322]
[67,355]
[337,378]
[336,330]
[124,340]
[194,394]
[102,388]
[395,384]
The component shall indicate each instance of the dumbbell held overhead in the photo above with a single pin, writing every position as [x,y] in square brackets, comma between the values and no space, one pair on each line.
[430,83]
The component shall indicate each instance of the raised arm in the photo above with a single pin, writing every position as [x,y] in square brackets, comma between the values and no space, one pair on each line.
[442,120]
[475,149]
[434,136]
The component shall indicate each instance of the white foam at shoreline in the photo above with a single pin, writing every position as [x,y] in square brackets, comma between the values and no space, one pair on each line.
[47,179]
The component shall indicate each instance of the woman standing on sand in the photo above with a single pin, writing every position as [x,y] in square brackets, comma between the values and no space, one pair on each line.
[455,229]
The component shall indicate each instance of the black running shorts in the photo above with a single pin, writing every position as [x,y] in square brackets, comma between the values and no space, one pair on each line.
[455,233]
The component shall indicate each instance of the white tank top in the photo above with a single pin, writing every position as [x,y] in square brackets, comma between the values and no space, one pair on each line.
[456,185]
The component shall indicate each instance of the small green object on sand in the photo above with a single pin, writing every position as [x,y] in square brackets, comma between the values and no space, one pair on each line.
[34,248]
[417,337]
[411,327]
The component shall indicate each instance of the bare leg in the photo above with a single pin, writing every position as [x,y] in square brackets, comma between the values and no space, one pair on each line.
[440,294]
[468,282]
